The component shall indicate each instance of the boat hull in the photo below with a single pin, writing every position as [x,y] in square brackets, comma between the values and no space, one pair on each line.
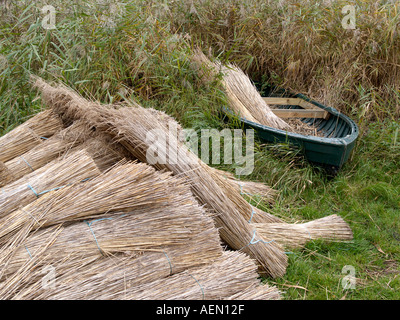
[333,150]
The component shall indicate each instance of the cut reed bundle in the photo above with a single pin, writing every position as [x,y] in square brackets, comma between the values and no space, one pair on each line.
[29,134]
[230,274]
[243,97]
[182,225]
[199,185]
[251,213]
[128,277]
[104,153]
[330,228]
[45,152]
[5,175]
[131,128]
[257,291]
[73,168]
[124,188]
[105,277]
[248,188]
[18,281]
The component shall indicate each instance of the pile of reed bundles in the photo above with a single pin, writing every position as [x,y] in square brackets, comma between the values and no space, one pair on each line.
[89,202]
[109,225]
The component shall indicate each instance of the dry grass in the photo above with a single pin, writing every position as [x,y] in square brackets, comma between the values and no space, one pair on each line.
[302,46]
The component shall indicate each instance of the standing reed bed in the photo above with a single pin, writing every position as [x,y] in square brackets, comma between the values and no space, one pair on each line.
[29,134]
[130,127]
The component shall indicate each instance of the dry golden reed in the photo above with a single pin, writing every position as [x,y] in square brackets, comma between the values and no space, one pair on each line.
[29,134]
[72,168]
[243,97]
[47,151]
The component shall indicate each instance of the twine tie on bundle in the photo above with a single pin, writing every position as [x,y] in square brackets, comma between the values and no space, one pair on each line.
[50,190]
[170,264]
[201,287]
[94,236]
[27,163]
[28,252]
[252,213]
[251,217]
[33,190]
[259,240]
[309,234]
[43,192]
[253,241]
[247,194]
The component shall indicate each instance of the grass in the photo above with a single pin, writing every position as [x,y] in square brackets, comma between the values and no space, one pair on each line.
[139,50]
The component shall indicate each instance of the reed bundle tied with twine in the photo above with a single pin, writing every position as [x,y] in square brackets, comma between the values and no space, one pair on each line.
[290,235]
[228,275]
[72,168]
[125,187]
[29,134]
[146,262]
[243,97]
[155,228]
[232,275]
[330,228]
[131,127]
[45,152]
